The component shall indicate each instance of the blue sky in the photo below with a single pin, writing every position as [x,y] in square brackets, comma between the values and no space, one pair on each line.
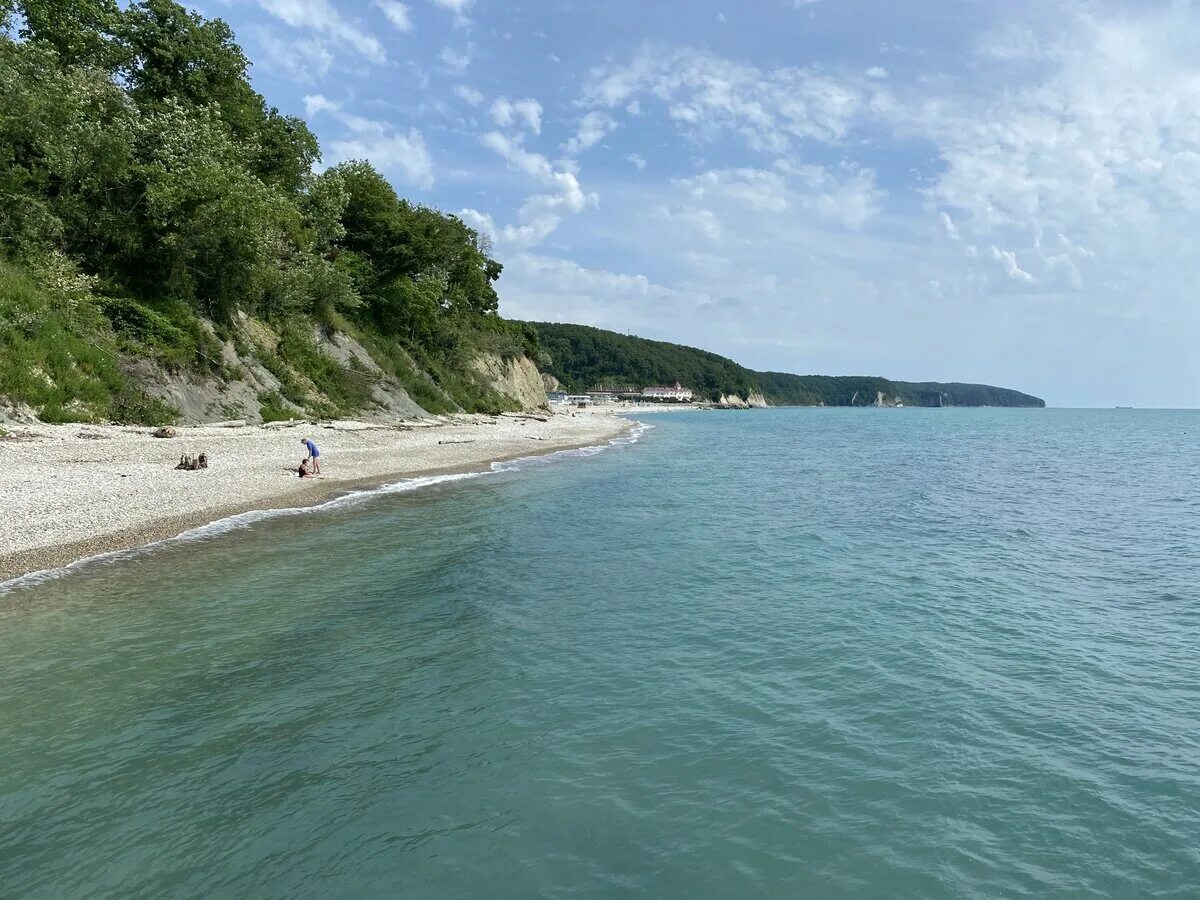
[936,189]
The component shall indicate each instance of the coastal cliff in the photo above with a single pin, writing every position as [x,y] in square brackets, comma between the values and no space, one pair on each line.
[516,377]
[580,356]
[172,252]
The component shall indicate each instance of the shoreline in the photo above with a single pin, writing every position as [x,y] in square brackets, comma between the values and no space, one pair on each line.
[61,488]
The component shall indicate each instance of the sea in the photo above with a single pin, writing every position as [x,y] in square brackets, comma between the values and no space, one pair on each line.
[825,653]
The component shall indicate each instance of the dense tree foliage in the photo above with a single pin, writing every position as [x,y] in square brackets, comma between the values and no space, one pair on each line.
[850,390]
[140,168]
[582,358]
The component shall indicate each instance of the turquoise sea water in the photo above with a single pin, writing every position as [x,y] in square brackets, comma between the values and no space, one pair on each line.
[819,653]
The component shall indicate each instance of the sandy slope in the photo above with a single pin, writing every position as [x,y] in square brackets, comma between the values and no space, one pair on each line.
[69,491]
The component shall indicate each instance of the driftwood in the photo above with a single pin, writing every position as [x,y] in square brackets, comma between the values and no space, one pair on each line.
[456,442]
[512,415]
[191,463]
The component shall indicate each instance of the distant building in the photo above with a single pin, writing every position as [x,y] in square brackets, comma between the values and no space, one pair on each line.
[676,393]
[578,400]
[556,396]
[602,398]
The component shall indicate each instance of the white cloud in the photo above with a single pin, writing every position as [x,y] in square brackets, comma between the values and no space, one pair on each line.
[709,95]
[305,61]
[459,9]
[392,152]
[949,226]
[1008,259]
[877,72]
[541,213]
[505,112]
[694,220]
[322,17]
[637,161]
[593,128]
[468,94]
[389,149]
[315,103]
[846,195]
[456,63]
[547,288]
[395,12]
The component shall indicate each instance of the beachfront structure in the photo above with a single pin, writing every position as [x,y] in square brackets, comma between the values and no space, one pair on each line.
[602,398]
[578,400]
[556,396]
[676,393]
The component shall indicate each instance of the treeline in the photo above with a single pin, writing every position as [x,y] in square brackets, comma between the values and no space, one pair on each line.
[783,389]
[582,357]
[146,189]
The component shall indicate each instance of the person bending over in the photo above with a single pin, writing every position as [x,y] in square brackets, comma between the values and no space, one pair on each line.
[314,456]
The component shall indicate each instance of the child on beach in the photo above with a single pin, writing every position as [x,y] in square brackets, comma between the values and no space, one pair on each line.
[304,471]
[314,455]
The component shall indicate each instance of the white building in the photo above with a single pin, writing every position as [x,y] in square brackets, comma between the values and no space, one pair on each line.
[673,394]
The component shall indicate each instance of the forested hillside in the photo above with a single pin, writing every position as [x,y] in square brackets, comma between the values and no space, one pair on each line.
[161,224]
[581,357]
[849,390]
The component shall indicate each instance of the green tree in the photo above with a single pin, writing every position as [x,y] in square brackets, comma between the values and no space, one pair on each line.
[79,31]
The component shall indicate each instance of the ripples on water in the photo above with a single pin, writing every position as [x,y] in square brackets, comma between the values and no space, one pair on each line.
[819,653]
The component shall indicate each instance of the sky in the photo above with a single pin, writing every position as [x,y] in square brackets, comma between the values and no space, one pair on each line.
[951,190]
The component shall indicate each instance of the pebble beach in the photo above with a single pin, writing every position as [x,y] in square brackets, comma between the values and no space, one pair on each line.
[74,491]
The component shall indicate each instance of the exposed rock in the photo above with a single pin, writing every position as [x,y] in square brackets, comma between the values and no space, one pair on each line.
[17,414]
[732,401]
[756,401]
[517,378]
[386,391]
[165,432]
[550,383]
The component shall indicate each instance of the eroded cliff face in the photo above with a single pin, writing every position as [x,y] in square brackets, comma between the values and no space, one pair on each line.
[251,380]
[732,401]
[244,384]
[517,378]
[757,401]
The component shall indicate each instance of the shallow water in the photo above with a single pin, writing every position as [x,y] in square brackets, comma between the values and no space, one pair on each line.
[904,653]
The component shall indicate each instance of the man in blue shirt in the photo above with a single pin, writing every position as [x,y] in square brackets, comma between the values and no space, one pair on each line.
[313,454]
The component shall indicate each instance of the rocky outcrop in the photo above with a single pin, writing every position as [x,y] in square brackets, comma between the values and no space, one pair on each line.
[239,386]
[392,400]
[550,383]
[237,389]
[756,400]
[732,401]
[517,378]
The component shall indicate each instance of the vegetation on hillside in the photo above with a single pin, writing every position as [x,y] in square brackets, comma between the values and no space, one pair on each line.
[149,198]
[582,357]
[783,389]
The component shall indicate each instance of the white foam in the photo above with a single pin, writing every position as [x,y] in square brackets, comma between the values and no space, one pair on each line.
[251,517]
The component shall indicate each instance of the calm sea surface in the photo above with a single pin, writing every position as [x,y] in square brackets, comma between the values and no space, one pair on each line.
[788,653]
